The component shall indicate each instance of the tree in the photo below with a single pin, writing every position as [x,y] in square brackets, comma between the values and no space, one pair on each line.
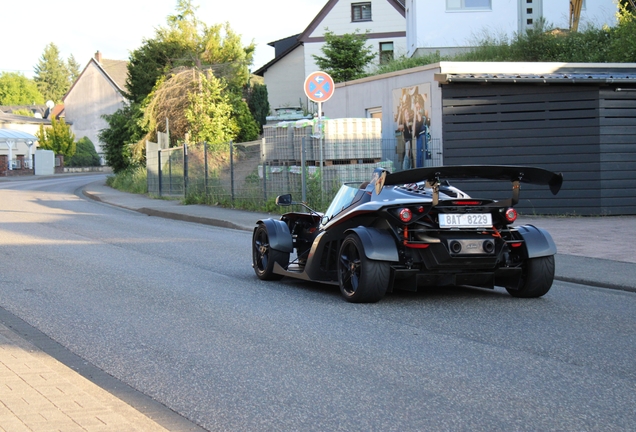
[58,138]
[209,111]
[16,89]
[178,72]
[223,51]
[52,74]
[148,63]
[258,103]
[345,56]
[85,154]
[123,130]
[622,47]
[73,68]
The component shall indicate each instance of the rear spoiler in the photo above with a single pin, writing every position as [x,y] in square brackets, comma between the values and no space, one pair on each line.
[514,174]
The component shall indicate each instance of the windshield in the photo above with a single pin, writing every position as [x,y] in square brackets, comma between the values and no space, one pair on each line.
[343,199]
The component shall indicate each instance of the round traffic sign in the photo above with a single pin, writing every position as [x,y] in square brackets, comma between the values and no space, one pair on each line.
[319,86]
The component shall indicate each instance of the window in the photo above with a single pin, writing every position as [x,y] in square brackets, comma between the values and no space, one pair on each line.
[361,11]
[386,52]
[453,5]
[374,113]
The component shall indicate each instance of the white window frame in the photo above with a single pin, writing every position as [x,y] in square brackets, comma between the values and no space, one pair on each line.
[392,51]
[460,5]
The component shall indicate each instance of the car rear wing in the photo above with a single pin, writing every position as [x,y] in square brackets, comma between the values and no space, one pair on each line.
[515,174]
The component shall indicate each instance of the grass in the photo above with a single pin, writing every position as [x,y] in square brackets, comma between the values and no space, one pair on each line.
[133,180]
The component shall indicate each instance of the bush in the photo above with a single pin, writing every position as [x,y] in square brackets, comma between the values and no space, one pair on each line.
[85,155]
[133,180]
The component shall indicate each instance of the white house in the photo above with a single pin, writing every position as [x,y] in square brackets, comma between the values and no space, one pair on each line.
[449,26]
[382,20]
[97,91]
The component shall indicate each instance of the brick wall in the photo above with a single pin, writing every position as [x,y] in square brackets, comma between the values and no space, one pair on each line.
[4,167]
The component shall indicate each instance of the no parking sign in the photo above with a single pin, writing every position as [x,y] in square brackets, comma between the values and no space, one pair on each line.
[319,86]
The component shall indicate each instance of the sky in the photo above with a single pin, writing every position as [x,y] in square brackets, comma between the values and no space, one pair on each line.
[118,27]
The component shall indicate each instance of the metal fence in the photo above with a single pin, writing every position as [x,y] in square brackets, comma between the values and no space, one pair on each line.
[251,175]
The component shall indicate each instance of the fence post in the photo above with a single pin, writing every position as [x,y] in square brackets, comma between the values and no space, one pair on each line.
[170,173]
[303,173]
[232,170]
[205,165]
[159,170]
[264,181]
[185,170]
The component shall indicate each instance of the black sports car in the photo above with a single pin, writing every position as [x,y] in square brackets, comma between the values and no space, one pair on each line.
[410,229]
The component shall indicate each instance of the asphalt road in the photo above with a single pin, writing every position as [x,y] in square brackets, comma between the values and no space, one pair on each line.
[174,310]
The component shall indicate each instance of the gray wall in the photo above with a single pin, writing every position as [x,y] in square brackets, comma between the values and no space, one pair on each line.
[584,132]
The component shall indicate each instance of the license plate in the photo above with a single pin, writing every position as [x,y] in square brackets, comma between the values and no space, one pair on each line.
[468,220]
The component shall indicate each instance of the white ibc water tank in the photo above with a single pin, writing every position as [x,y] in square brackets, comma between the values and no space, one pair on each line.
[44,162]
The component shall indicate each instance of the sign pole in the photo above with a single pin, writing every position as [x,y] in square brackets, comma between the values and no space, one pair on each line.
[319,87]
[322,176]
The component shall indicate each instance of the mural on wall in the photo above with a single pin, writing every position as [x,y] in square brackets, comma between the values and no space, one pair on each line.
[411,108]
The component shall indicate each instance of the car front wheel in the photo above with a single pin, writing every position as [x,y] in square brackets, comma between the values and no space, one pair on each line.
[264,257]
[361,280]
[538,275]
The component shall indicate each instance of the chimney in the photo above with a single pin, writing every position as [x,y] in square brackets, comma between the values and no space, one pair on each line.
[98,57]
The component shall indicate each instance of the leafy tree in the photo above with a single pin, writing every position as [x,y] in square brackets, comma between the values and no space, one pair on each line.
[170,77]
[209,111]
[73,68]
[85,154]
[248,126]
[58,138]
[151,61]
[622,47]
[345,56]
[16,89]
[258,103]
[51,74]
[223,51]
[123,131]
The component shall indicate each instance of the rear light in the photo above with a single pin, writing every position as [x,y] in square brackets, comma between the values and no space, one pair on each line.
[405,215]
[511,215]
[467,202]
[515,245]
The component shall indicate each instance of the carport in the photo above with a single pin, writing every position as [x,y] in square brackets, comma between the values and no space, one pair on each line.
[10,137]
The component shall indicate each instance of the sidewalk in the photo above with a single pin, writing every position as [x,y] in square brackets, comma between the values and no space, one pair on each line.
[39,393]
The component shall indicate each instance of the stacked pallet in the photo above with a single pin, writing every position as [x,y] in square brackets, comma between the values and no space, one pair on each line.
[351,149]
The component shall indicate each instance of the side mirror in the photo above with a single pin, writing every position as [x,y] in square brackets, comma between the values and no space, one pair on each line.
[284,200]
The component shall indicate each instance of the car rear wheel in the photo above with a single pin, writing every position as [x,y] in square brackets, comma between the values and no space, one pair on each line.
[264,257]
[361,280]
[538,275]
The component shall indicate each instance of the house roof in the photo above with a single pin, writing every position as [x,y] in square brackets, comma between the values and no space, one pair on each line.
[261,71]
[9,109]
[534,78]
[13,118]
[117,70]
[15,135]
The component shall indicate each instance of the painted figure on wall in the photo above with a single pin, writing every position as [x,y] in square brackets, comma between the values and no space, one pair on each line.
[411,108]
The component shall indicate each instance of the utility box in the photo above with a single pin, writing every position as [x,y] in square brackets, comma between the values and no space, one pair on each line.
[44,162]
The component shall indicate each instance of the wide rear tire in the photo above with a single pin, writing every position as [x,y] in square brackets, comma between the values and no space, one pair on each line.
[361,280]
[264,257]
[538,275]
